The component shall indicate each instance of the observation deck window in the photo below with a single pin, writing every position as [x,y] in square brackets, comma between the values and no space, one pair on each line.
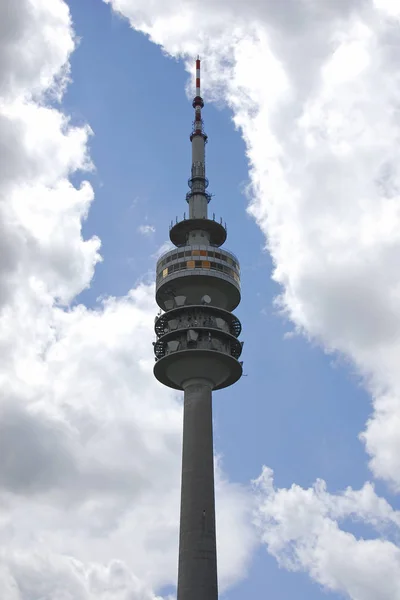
[202,256]
[199,264]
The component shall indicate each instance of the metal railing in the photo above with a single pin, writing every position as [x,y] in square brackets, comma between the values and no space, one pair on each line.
[172,224]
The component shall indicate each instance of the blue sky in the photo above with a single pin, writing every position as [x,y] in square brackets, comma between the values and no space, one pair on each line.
[298,409]
[301,104]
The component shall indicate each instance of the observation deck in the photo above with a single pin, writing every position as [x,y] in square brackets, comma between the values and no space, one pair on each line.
[195,271]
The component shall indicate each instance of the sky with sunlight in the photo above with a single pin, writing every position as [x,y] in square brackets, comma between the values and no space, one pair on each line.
[302,100]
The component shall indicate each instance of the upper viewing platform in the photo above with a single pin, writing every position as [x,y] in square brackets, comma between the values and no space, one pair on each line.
[198,257]
[213,230]
[196,270]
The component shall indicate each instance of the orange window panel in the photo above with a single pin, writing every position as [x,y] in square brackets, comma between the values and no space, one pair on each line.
[206,264]
[203,252]
[190,264]
[195,252]
[165,272]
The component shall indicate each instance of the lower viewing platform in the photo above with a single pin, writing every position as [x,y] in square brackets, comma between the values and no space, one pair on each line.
[175,368]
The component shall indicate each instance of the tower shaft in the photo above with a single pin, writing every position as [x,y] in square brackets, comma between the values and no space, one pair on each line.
[197,572]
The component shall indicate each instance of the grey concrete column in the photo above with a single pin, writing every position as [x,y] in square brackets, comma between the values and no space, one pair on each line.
[197,573]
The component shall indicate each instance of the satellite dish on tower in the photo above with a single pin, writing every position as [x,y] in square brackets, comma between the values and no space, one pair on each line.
[180,300]
[206,299]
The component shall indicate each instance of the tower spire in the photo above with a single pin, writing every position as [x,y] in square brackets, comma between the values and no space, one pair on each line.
[199,228]
[198,76]
[198,104]
[198,198]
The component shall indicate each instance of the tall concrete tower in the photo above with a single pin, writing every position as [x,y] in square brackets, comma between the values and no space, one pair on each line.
[197,351]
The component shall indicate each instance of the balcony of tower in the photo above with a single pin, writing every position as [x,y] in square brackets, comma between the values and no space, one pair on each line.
[197,341]
[215,232]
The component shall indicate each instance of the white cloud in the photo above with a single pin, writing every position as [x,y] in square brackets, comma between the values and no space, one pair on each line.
[28,577]
[146,229]
[388,7]
[89,441]
[27,31]
[301,529]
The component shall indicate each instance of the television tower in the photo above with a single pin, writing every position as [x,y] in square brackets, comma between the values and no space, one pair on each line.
[197,351]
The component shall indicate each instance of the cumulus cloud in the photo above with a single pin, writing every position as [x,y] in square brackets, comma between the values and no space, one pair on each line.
[27,31]
[28,577]
[89,441]
[146,229]
[301,529]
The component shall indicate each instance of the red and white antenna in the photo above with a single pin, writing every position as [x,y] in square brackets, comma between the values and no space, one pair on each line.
[198,105]
[198,76]
[198,198]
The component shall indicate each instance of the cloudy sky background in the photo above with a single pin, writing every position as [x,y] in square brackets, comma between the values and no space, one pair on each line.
[302,112]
